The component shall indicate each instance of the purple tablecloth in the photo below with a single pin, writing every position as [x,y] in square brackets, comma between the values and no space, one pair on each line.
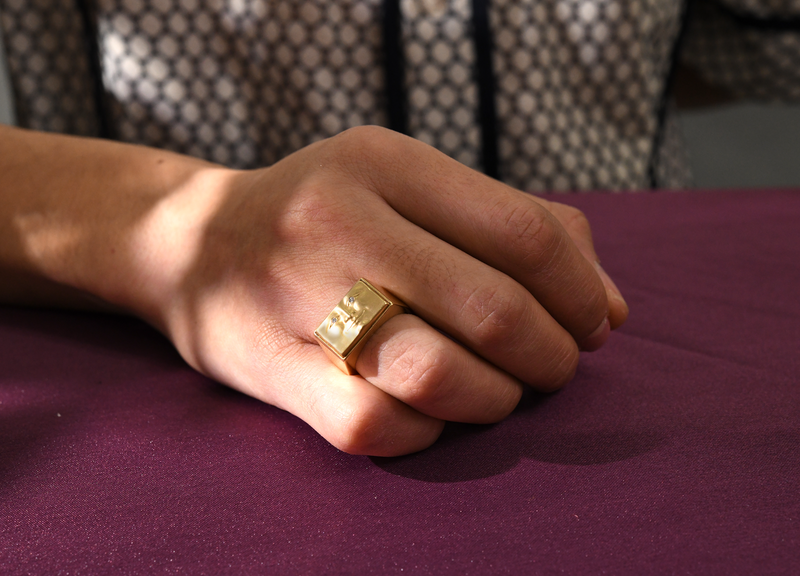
[676,449]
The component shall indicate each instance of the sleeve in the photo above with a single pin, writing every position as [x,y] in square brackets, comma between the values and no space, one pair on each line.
[749,47]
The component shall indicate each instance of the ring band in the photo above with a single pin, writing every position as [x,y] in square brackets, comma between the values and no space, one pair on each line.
[358,315]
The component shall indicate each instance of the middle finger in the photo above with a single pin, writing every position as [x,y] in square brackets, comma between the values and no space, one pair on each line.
[479,306]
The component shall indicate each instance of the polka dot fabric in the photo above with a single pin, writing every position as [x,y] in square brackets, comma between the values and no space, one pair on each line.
[671,162]
[51,74]
[579,86]
[240,83]
[765,8]
[752,62]
[578,83]
[442,91]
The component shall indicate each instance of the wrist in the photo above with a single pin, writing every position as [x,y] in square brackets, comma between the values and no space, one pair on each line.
[94,224]
[143,257]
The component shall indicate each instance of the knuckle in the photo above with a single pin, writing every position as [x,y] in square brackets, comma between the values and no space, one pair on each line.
[363,137]
[531,233]
[315,215]
[562,368]
[495,313]
[364,152]
[310,207]
[595,309]
[501,406]
[421,370]
[577,221]
[358,427]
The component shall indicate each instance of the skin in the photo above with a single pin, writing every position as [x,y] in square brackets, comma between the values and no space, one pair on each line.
[238,268]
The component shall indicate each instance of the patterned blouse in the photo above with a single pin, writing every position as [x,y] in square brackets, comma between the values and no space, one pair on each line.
[544,94]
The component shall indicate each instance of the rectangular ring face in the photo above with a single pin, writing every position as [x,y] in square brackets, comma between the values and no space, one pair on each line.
[351,317]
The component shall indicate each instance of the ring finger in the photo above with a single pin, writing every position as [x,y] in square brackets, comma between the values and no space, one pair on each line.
[411,361]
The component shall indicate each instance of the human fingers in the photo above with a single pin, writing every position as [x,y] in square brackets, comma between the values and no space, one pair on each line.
[337,219]
[577,226]
[435,375]
[482,308]
[490,221]
[349,412]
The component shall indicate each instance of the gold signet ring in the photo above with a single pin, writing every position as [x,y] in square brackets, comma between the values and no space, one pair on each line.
[355,318]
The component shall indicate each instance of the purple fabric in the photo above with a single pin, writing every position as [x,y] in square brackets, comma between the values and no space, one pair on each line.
[676,449]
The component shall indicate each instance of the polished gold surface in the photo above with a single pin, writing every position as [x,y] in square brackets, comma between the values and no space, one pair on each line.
[358,315]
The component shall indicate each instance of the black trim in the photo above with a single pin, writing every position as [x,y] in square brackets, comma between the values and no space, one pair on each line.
[394,66]
[666,94]
[90,34]
[766,23]
[487,112]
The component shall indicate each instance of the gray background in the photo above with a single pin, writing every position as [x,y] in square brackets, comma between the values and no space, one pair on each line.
[735,146]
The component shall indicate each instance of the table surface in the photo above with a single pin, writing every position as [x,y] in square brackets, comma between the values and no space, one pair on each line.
[676,449]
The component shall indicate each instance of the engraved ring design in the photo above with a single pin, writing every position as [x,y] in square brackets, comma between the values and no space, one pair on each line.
[356,317]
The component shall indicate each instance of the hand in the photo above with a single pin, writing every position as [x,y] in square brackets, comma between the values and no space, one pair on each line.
[509,278]
[239,268]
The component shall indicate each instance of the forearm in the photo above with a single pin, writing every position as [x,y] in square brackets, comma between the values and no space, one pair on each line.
[92,224]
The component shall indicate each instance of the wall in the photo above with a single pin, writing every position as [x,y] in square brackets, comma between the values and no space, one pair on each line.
[745,145]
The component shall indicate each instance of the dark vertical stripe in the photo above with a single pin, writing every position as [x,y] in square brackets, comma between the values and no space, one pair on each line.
[394,66]
[90,35]
[487,113]
[666,94]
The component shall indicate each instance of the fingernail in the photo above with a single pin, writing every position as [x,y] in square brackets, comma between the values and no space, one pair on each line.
[611,288]
[597,338]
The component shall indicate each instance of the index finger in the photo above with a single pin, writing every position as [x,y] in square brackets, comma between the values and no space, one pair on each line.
[577,226]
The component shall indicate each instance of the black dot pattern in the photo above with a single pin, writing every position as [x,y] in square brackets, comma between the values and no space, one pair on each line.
[671,162]
[579,87]
[51,76]
[765,8]
[579,83]
[243,84]
[750,61]
[442,93]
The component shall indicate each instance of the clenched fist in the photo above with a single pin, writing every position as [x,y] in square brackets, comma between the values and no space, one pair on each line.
[238,268]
